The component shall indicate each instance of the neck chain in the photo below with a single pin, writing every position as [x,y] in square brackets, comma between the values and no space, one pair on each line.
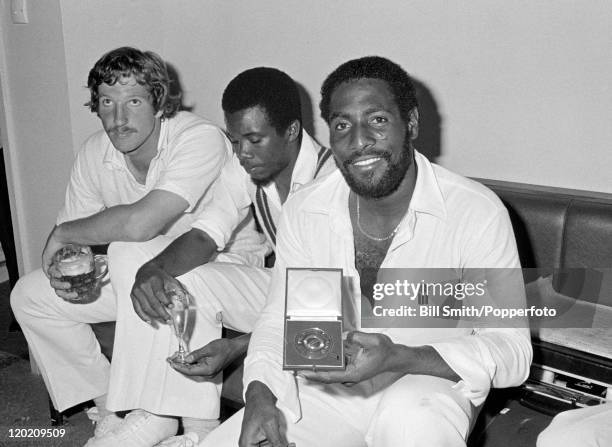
[374,238]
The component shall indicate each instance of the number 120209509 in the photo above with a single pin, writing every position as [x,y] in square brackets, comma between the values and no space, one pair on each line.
[36,432]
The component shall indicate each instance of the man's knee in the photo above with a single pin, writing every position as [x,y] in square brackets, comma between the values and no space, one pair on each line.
[27,294]
[552,436]
[417,414]
[130,256]
[227,434]
[561,432]
[419,424]
[575,428]
[123,252]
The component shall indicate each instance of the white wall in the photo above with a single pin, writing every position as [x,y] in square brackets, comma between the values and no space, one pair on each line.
[91,30]
[38,134]
[520,90]
[522,87]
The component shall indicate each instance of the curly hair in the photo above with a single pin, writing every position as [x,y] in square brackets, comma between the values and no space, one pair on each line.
[148,70]
[269,88]
[371,67]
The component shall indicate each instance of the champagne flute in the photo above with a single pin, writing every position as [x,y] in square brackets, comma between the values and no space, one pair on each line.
[179,313]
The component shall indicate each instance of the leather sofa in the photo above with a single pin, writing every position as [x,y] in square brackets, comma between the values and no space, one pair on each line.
[559,229]
[554,228]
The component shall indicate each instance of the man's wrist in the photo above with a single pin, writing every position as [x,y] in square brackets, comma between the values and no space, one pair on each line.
[259,392]
[421,360]
[60,234]
[401,359]
[152,264]
[240,345]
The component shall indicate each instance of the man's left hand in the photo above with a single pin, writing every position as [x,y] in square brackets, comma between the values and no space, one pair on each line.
[207,362]
[367,355]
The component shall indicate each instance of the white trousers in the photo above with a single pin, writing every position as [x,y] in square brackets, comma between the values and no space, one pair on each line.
[414,411]
[68,354]
[585,427]
[226,294]
[60,339]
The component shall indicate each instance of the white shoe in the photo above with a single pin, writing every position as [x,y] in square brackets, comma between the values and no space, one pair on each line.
[107,424]
[139,429]
[189,439]
[103,424]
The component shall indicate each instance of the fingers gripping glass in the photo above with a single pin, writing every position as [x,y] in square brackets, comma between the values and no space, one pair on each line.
[83,270]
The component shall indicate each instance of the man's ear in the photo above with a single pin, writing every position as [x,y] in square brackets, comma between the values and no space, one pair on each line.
[413,123]
[293,131]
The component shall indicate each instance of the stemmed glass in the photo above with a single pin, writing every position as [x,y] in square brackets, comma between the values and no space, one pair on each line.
[179,313]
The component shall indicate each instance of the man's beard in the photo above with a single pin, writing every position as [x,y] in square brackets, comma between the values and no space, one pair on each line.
[389,181]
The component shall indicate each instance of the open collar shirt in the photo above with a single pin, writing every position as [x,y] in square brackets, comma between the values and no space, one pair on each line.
[235,191]
[190,155]
[451,222]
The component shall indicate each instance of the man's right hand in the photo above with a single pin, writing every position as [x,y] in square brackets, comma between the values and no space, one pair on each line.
[62,288]
[148,294]
[51,247]
[262,421]
[55,277]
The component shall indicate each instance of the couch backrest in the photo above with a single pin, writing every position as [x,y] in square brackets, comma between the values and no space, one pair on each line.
[560,228]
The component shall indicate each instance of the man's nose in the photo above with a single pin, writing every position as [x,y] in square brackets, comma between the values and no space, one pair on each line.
[243,150]
[120,116]
[362,137]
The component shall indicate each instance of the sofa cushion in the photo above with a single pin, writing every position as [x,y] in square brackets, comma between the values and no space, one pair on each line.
[538,217]
[587,242]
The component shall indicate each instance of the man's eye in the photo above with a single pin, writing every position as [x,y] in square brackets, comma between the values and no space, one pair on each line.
[105,102]
[255,140]
[380,120]
[341,126]
[135,102]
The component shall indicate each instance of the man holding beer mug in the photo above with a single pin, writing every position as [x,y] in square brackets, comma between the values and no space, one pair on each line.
[144,175]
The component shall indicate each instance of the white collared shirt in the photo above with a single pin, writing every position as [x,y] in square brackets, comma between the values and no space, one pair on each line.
[190,155]
[235,191]
[451,222]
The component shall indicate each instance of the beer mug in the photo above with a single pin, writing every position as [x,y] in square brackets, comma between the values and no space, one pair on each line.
[83,270]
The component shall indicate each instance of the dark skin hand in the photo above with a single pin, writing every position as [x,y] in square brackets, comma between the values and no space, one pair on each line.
[148,294]
[155,277]
[371,354]
[262,420]
[205,363]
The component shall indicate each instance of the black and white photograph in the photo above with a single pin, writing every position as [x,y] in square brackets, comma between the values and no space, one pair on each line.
[305,223]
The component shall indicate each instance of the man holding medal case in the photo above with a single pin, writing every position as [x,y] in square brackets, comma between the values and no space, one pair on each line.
[388,206]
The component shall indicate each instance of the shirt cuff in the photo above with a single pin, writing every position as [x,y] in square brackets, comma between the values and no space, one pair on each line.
[281,383]
[219,237]
[191,200]
[464,356]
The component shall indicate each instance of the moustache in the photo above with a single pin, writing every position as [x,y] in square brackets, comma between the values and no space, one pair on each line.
[122,130]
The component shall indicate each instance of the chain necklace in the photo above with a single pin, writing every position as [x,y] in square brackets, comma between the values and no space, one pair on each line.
[374,238]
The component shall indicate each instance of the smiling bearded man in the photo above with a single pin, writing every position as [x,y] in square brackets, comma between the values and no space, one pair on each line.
[388,208]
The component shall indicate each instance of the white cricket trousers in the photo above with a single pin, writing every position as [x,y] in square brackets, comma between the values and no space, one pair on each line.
[584,427]
[60,339]
[414,411]
[66,350]
[226,294]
